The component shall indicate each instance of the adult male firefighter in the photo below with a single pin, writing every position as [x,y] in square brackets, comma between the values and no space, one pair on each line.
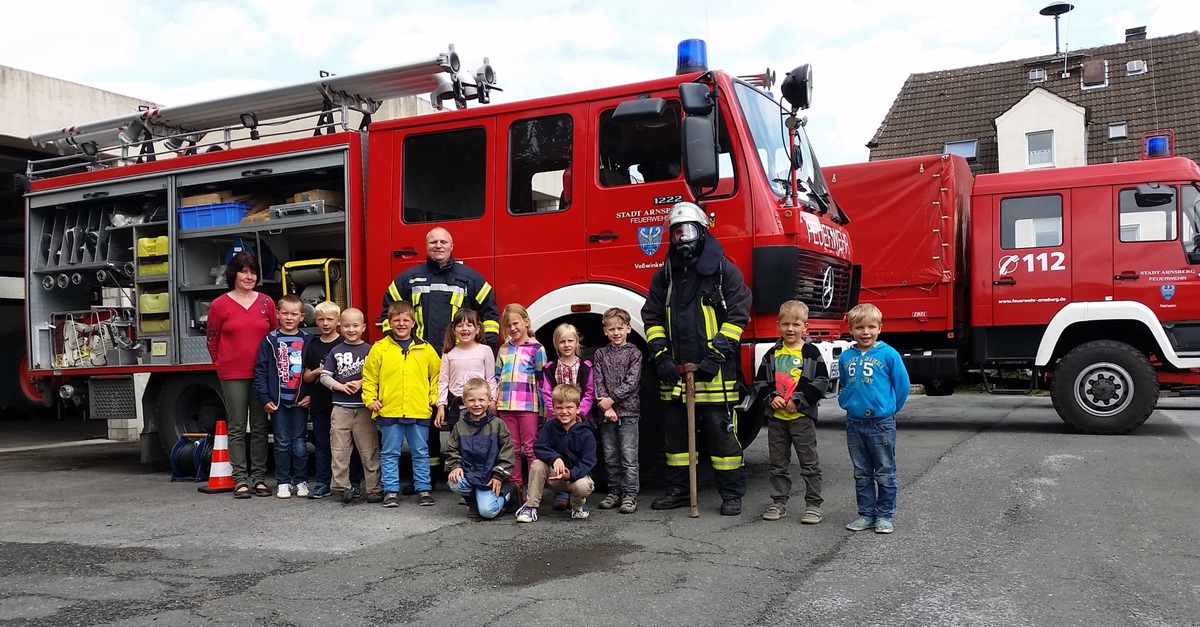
[437,289]
[695,312]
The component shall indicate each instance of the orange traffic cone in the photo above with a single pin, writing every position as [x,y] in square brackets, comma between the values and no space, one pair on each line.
[220,473]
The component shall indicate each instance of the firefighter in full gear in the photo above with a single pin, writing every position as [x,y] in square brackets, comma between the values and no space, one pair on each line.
[695,312]
[437,289]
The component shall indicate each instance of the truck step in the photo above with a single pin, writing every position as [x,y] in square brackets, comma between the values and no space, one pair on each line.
[997,381]
[1187,390]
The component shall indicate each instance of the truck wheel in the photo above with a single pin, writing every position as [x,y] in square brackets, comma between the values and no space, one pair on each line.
[188,403]
[1105,387]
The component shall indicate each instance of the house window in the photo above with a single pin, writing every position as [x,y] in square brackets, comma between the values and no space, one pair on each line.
[1031,222]
[428,193]
[1037,75]
[1133,68]
[1095,74]
[967,148]
[1118,130]
[1041,148]
[1146,224]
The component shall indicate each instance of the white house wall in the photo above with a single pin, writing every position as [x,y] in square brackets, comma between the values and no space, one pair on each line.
[1041,110]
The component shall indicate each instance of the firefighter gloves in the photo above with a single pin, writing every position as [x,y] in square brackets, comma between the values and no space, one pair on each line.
[668,373]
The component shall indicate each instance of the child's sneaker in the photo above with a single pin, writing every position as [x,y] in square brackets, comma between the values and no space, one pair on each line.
[811,516]
[884,525]
[562,501]
[424,499]
[391,499]
[302,490]
[284,491]
[610,501]
[319,491]
[581,512]
[527,514]
[861,523]
[628,504]
[775,511]
[375,497]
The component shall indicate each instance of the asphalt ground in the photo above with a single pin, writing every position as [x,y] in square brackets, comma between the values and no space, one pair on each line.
[1006,517]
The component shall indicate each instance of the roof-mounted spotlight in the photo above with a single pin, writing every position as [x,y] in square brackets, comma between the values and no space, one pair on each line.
[250,121]
[89,148]
[797,87]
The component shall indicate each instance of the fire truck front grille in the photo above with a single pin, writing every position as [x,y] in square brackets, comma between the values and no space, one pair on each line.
[823,283]
[111,399]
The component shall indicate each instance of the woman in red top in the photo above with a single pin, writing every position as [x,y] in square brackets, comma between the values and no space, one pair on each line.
[237,322]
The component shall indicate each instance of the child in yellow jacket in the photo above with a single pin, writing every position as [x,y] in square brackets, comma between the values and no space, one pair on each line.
[399,386]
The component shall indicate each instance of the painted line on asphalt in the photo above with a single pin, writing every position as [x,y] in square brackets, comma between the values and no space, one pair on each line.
[1189,422]
[39,447]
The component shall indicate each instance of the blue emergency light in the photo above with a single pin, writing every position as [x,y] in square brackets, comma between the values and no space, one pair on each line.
[692,56]
[1157,144]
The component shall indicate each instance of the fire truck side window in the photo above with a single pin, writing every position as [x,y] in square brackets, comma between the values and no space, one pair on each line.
[539,164]
[1191,219]
[1031,222]
[1147,224]
[646,151]
[445,176]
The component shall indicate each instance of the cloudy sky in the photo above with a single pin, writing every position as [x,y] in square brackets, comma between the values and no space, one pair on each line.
[861,50]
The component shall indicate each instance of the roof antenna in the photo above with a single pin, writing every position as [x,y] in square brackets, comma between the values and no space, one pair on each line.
[1056,9]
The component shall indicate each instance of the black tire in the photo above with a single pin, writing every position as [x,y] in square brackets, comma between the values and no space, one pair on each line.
[188,403]
[939,388]
[1105,387]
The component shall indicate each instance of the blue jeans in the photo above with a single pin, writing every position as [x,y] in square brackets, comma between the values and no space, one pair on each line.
[393,436]
[488,504]
[322,456]
[872,445]
[291,444]
[620,442]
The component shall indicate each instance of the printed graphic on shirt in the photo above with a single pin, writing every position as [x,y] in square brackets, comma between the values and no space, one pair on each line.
[349,366]
[289,361]
[787,373]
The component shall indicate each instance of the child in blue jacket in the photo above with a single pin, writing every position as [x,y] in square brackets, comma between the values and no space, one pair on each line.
[874,387]
[279,385]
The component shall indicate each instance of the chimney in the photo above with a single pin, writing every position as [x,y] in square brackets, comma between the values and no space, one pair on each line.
[1137,33]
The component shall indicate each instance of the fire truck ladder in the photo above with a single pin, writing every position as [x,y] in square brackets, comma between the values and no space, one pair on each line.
[364,92]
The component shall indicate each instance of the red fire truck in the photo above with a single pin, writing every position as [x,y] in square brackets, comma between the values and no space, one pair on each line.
[558,201]
[1085,278]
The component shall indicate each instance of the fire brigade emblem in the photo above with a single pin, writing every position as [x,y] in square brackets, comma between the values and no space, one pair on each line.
[1167,291]
[650,238]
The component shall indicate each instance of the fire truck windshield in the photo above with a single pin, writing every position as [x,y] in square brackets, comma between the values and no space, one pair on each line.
[764,117]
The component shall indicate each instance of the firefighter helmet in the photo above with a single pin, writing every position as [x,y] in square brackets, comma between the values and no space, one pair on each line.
[686,226]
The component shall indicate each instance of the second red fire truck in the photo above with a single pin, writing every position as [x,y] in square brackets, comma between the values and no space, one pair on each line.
[1084,279]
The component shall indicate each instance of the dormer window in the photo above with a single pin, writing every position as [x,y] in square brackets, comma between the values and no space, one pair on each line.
[1134,68]
[1095,74]
[1037,75]
[966,148]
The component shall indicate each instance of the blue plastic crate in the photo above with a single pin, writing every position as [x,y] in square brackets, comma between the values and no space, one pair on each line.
[220,214]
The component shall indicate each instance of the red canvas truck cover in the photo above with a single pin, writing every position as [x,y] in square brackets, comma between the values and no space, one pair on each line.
[909,224]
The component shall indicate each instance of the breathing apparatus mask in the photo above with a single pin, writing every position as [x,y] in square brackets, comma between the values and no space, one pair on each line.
[687,226]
